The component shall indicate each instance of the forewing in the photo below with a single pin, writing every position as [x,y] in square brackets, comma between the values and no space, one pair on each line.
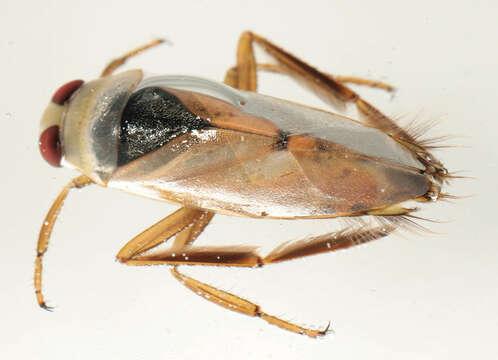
[280,161]
[225,171]
[246,174]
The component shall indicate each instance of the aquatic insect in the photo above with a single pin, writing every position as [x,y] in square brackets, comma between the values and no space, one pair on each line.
[223,148]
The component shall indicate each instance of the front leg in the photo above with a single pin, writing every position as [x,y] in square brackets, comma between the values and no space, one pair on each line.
[116,63]
[46,231]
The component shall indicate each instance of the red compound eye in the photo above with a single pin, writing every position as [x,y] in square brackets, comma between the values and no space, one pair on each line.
[65,91]
[50,146]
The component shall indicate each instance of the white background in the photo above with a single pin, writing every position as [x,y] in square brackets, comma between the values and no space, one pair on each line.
[405,297]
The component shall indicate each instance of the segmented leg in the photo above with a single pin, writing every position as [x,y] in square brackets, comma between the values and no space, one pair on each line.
[187,224]
[275,68]
[325,86]
[364,82]
[244,75]
[238,304]
[46,231]
[248,256]
[187,236]
[116,63]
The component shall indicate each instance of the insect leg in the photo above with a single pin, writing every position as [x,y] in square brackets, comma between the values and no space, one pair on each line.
[326,243]
[196,221]
[243,76]
[238,304]
[189,234]
[364,82]
[232,77]
[116,63]
[327,87]
[246,256]
[46,231]
[275,68]
[187,224]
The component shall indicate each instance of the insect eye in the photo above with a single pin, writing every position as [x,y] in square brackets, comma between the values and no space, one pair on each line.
[65,91]
[50,146]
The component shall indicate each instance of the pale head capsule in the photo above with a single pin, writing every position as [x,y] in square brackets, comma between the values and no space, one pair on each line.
[49,141]
[80,126]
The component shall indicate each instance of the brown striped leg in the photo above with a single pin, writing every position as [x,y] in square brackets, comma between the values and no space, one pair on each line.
[186,224]
[326,243]
[243,76]
[232,77]
[364,82]
[188,235]
[275,68]
[325,86]
[248,257]
[46,231]
[238,304]
[116,63]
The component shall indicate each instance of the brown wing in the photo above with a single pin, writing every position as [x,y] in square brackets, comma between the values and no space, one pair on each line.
[357,182]
[245,164]
[236,172]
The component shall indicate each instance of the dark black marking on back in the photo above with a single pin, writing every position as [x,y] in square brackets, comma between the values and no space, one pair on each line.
[282,140]
[151,118]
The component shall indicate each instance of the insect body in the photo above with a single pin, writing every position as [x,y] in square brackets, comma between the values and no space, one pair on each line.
[223,148]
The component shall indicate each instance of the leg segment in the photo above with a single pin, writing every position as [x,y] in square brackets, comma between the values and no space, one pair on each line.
[116,63]
[247,256]
[275,68]
[238,304]
[364,82]
[46,231]
[187,236]
[326,243]
[243,76]
[185,223]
